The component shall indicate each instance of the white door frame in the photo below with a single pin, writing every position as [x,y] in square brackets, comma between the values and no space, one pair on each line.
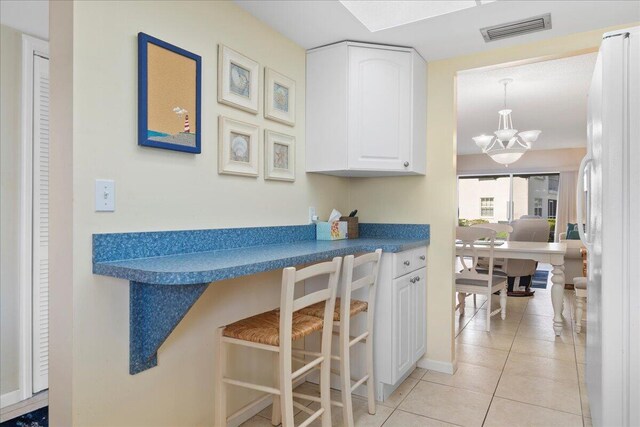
[30,46]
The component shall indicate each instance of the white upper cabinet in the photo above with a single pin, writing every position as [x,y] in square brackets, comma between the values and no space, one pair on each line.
[365,110]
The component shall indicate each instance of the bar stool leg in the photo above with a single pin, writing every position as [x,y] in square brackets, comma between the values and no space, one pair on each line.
[286,388]
[345,374]
[276,410]
[220,397]
[371,396]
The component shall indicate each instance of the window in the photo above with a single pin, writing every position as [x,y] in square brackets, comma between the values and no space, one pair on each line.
[486,206]
[554,184]
[552,206]
[537,206]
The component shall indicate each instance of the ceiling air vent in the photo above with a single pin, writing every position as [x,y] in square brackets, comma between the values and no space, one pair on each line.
[517,28]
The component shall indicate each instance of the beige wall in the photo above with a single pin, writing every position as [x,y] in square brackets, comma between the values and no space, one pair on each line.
[561,160]
[160,190]
[432,198]
[94,86]
[10,158]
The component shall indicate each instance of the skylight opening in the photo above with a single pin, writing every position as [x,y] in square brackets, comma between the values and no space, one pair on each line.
[378,15]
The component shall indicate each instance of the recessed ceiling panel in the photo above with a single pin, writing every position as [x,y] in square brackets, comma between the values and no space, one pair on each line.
[379,15]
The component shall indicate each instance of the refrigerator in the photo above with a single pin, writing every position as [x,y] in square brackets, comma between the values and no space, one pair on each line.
[609,206]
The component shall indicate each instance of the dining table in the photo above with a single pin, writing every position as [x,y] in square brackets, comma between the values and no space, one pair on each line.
[549,253]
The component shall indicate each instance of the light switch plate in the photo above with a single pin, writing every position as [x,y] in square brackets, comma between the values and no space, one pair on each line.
[105,195]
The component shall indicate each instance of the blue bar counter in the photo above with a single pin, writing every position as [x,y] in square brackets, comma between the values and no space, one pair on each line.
[169,270]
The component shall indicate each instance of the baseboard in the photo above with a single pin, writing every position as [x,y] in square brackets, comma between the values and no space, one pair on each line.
[438,366]
[23,406]
[249,413]
[10,398]
[255,409]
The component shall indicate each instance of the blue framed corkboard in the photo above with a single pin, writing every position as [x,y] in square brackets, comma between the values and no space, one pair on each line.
[169,90]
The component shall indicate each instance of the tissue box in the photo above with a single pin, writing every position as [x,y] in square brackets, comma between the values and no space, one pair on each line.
[336,230]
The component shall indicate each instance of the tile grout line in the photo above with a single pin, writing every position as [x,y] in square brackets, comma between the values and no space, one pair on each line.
[493,395]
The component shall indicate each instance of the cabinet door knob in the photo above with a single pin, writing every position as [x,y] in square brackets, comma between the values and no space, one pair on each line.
[423,257]
[417,278]
[412,280]
[406,164]
[407,263]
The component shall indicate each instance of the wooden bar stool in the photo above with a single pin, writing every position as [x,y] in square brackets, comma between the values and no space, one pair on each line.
[345,308]
[274,331]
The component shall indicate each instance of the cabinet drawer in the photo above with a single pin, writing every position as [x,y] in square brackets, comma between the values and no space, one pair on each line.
[408,261]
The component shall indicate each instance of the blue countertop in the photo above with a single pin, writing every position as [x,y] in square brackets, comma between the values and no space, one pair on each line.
[211,266]
[118,255]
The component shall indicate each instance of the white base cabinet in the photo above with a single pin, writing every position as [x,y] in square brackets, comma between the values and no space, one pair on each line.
[366,110]
[399,335]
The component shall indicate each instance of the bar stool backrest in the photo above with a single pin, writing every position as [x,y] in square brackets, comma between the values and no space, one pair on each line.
[289,304]
[349,285]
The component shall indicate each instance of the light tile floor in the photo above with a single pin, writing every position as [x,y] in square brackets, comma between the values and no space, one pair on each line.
[519,374]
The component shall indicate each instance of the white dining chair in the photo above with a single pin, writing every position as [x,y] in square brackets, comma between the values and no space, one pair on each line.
[471,281]
[580,288]
[274,332]
[499,264]
[346,307]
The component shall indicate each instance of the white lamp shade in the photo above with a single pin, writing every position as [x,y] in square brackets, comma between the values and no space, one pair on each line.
[507,156]
[483,141]
[530,136]
[505,135]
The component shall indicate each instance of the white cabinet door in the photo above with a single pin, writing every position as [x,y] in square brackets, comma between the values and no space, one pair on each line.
[418,295]
[402,336]
[379,129]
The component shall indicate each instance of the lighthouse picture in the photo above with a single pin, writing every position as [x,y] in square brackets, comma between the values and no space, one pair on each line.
[172,96]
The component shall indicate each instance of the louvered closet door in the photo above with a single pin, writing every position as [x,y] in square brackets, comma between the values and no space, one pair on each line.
[40,224]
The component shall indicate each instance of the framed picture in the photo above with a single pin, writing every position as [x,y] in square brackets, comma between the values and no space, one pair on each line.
[238,80]
[280,156]
[237,147]
[169,85]
[279,97]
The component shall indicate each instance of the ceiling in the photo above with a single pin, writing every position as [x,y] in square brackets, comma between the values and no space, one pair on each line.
[550,96]
[313,23]
[27,16]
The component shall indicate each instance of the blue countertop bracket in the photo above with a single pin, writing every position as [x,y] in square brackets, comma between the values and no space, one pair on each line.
[155,312]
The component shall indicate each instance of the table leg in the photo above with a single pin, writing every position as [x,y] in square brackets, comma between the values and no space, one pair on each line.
[557,296]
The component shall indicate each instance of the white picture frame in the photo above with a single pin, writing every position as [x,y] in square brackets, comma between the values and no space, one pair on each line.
[280,156]
[238,80]
[279,97]
[238,147]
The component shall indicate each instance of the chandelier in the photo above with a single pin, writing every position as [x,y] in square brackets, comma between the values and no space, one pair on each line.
[506,148]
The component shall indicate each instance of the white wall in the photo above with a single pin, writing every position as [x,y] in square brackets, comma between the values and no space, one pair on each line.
[10,158]
[28,16]
[159,190]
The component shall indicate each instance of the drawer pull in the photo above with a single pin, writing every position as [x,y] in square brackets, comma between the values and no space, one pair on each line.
[407,263]
[423,257]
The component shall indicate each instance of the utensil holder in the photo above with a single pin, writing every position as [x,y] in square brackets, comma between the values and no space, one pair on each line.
[352,226]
